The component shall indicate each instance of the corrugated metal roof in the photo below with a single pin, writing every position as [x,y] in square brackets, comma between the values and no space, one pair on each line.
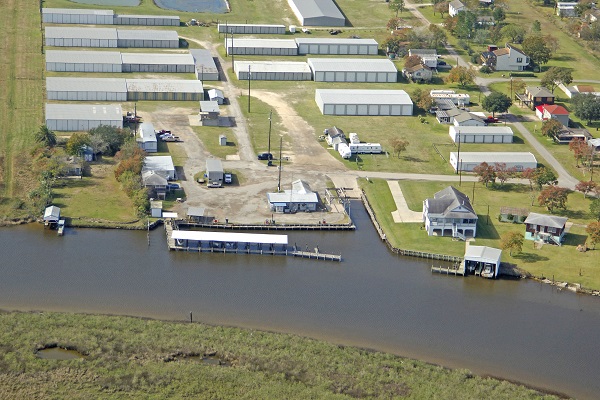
[210,106]
[228,237]
[157,58]
[174,17]
[483,254]
[337,41]
[146,34]
[213,164]
[272,66]
[66,32]
[164,85]
[317,8]
[106,112]
[546,220]
[68,84]
[83,57]
[363,96]
[147,133]
[158,163]
[352,64]
[195,211]
[262,43]
[76,11]
[483,130]
[288,197]
[251,25]
[204,60]
[495,157]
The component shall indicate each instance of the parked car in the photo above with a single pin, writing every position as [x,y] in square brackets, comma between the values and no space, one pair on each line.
[334,31]
[305,30]
[173,186]
[491,120]
[170,138]
[265,156]
[441,62]
[227,178]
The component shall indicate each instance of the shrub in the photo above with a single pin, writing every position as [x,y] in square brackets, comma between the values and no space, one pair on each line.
[485,70]
[524,74]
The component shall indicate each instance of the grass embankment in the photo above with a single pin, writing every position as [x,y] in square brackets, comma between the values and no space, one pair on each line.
[137,358]
[565,263]
[21,103]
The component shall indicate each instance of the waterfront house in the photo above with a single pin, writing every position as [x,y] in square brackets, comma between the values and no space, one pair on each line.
[482,260]
[197,215]
[547,228]
[162,165]
[156,184]
[552,111]
[449,213]
[299,198]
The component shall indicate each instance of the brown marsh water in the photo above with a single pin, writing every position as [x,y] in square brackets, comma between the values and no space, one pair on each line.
[518,330]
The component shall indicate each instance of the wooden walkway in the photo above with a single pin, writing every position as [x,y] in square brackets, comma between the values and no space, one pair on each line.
[450,270]
[265,227]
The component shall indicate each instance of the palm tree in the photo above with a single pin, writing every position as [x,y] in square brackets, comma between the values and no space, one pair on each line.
[45,136]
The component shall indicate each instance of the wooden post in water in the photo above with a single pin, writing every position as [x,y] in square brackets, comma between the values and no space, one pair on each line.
[191,319]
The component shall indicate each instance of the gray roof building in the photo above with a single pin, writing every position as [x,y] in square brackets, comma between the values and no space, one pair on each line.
[80,37]
[449,199]
[82,117]
[77,16]
[147,38]
[164,89]
[206,68]
[337,46]
[158,62]
[353,70]
[317,12]
[273,70]
[265,47]
[86,89]
[251,29]
[552,221]
[83,61]
[363,102]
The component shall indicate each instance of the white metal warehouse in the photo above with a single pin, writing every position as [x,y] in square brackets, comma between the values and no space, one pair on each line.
[481,134]
[273,70]
[164,89]
[251,29]
[469,160]
[83,61]
[80,37]
[261,47]
[158,62]
[147,38]
[317,12]
[82,117]
[86,89]
[353,70]
[206,68]
[147,20]
[77,16]
[363,102]
[333,46]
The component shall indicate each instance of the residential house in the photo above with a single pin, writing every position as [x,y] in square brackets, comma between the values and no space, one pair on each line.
[566,9]
[566,135]
[299,198]
[74,166]
[162,165]
[552,111]
[594,144]
[418,73]
[216,95]
[484,21]
[447,116]
[156,184]
[334,136]
[509,58]
[429,57]
[455,7]
[482,260]
[547,228]
[449,213]
[468,119]
[459,99]
[537,95]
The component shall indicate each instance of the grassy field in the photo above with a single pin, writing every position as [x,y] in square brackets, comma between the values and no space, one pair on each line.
[156,359]
[564,263]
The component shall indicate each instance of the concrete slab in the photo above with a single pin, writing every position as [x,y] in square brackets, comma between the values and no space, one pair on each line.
[402,214]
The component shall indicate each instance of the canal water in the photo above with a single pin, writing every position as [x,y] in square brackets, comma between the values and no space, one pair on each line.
[517,330]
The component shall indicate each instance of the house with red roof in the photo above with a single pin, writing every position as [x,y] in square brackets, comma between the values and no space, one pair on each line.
[552,111]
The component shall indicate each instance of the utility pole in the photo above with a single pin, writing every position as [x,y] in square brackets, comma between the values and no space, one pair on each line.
[232,49]
[269,163]
[279,180]
[226,44]
[249,75]
[458,155]
[135,118]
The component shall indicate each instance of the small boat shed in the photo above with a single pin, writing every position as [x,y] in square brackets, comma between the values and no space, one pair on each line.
[51,215]
[483,261]
[230,240]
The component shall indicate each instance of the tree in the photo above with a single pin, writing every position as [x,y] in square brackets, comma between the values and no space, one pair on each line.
[595,209]
[485,172]
[425,101]
[76,142]
[397,6]
[498,14]
[441,7]
[411,61]
[512,241]
[544,176]
[517,85]
[45,136]
[536,26]
[516,33]
[495,33]
[466,24]
[392,44]
[110,139]
[551,128]
[503,173]
[462,75]
[587,107]
[593,231]
[586,187]
[496,102]
[398,145]
[438,36]
[555,76]
[450,24]
[552,43]
[553,197]
[535,47]
[582,6]
[580,149]
[394,23]
[481,36]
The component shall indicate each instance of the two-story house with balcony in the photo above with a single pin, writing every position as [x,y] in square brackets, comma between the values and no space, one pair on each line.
[509,58]
[449,213]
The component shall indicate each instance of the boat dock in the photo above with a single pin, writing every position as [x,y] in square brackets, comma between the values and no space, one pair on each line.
[272,227]
[61,227]
[238,243]
[455,270]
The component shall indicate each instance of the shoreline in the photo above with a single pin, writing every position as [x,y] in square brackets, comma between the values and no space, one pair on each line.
[440,363]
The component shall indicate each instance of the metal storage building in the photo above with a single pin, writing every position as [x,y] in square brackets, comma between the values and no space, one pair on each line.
[273,70]
[469,160]
[161,165]
[147,38]
[77,16]
[363,102]
[337,46]
[147,20]
[251,29]
[158,62]
[82,117]
[206,68]
[214,172]
[86,89]
[261,47]
[353,70]
[83,61]
[164,89]
[481,134]
[317,12]
[147,140]
[80,37]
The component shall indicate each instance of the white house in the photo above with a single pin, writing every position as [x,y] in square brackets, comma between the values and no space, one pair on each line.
[566,9]
[428,56]
[481,134]
[216,95]
[449,213]
[455,7]
[299,198]
[507,59]
[469,160]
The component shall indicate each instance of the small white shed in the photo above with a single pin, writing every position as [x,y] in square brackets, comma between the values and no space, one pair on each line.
[156,208]
[222,140]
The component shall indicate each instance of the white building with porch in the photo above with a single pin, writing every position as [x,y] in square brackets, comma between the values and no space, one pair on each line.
[299,198]
[449,213]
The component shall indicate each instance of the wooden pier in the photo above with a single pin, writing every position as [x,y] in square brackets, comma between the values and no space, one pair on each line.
[456,270]
[272,227]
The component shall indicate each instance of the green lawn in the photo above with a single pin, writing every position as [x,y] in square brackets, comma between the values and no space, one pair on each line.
[209,135]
